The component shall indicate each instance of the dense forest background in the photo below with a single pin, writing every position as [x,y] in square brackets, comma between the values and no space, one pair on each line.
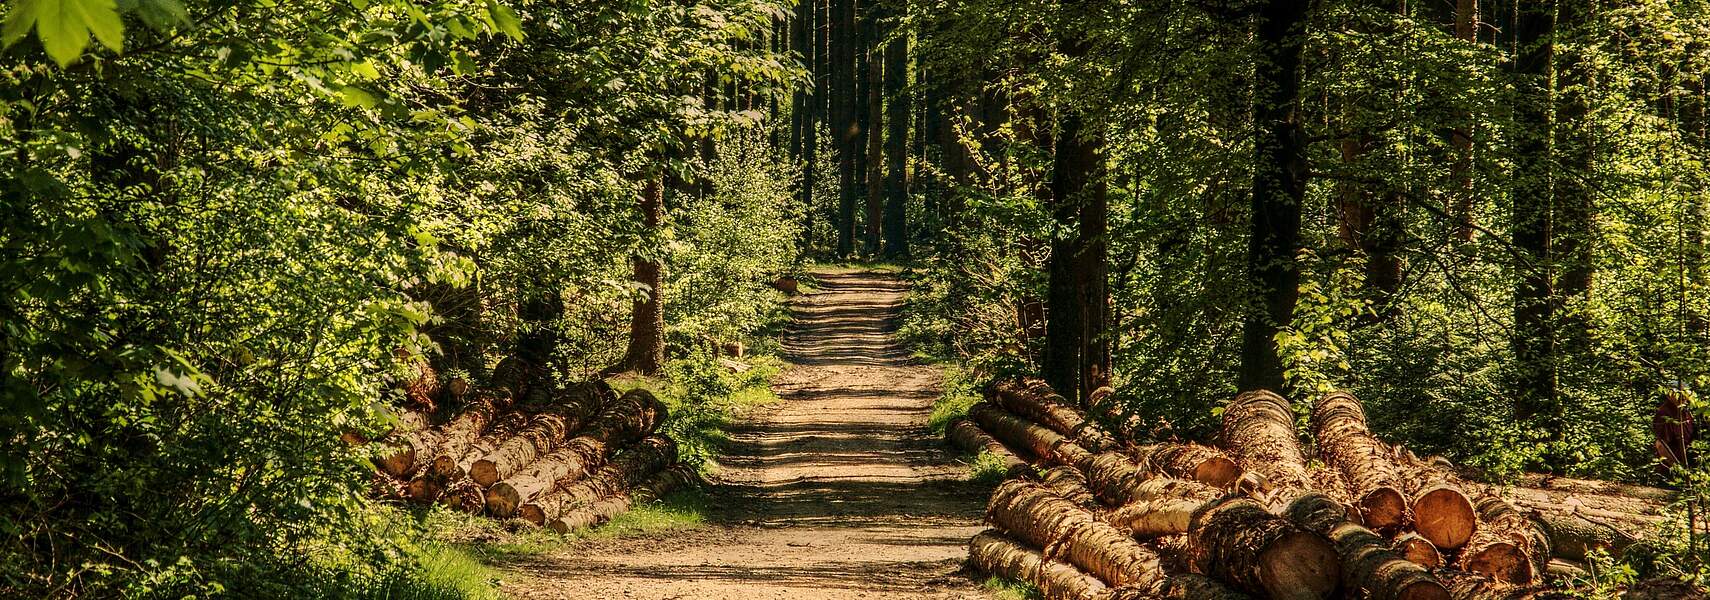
[229,228]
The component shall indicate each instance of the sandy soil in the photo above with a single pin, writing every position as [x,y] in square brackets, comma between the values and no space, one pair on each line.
[840,492]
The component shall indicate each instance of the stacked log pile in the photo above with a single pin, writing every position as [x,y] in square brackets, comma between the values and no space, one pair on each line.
[563,456]
[1088,513]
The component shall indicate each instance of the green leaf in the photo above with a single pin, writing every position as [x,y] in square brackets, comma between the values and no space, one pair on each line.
[102,19]
[22,16]
[64,26]
[506,20]
[162,14]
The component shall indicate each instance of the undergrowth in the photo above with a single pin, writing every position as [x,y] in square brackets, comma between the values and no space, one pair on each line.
[1010,589]
[961,391]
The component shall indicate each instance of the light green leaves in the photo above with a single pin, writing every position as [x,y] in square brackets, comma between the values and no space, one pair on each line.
[64,26]
[506,20]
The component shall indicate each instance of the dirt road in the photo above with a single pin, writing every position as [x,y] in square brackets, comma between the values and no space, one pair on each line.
[840,492]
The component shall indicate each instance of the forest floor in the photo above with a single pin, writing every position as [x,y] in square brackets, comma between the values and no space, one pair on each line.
[840,491]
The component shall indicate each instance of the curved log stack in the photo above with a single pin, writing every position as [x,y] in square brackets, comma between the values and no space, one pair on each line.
[565,456]
[1108,518]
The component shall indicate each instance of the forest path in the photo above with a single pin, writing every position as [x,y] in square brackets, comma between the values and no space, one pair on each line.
[840,491]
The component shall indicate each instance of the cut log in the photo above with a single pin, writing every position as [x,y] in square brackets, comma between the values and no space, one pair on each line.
[543,433]
[1204,464]
[997,554]
[1034,400]
[1015,431]
[464,496]
[1614,504]
[384,487]
[1237,541]
[1367,562]
[1117,480]
[1032,513]
[973,440]
[1552,483]
[1509,547]
[627,419]
[1161,506]
[1258,432]
[550,429]
[505,497]
[1566,570]
[1071,484]
[424,488]
[450,467]
[1442,511]
[1339,425]
[1418,550]
[461,432]
[1184,586]
[662,484]
[1573,537]
[409,454]
[632,467]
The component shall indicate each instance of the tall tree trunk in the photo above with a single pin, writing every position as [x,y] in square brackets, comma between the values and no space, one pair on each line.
[800,24]
[1460,171]
[1279,189]
[843,124]
[875,129]
[1534,311]
[896,148]
[646,352]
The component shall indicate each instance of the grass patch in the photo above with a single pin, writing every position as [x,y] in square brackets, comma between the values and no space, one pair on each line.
[452,572]
[704,397]
[679,511]
[988,470]
[1010,589]
[960,393]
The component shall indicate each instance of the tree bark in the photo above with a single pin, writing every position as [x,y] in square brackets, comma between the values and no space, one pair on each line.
[1339,425]
[1258,433]
[872,125]
[1000,555]
[1037,402]
[970,438]
[844,127]
[1240,543]
[605,509]
[1368,565]
[630,468]
[1188,461]
[1418,550]
[629,418]
[1278,192]
[1034,514]
[646,352]
[896,148]
[1460,171]
[1509,546]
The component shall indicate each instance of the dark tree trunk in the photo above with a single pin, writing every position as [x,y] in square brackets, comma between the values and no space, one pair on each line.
[1279,189]
[800,24]
[711,101]
[1460,174]
[843,124]
[875,130]
[896,149]
[646,352]
[1534,312]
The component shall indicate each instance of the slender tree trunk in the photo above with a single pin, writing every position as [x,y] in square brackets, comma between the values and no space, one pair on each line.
[875,130]
[896,149]
[646,354]
[1534,312]
[843,123]
[800,23]
[1460,171]
[711,101]
[1279,189]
